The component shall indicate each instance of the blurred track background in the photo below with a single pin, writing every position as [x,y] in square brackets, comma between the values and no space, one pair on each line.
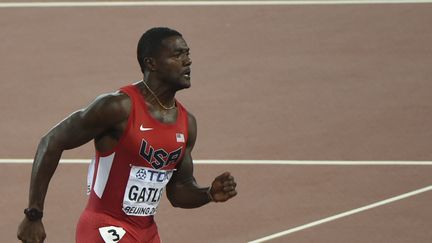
[287,82]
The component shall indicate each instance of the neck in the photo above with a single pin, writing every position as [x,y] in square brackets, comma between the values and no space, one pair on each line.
[158,94]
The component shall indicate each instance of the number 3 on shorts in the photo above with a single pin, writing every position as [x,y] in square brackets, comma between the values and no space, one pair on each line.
[111,234]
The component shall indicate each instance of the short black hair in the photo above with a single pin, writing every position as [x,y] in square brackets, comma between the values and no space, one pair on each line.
[151,41]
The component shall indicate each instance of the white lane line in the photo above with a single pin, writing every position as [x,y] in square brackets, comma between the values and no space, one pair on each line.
[341,215]
[197,3]
[312,162]
[250,162]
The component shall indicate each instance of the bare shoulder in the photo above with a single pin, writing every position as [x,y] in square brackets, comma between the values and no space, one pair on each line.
[110,107]
[117,101]
[106,112]
[192,130]
[192,123]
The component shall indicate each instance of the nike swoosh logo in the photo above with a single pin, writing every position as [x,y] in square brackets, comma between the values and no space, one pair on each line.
[143,129]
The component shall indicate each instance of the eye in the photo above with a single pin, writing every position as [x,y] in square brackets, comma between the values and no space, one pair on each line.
[183,54]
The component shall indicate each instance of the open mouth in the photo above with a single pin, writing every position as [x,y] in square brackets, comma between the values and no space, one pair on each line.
[187,74]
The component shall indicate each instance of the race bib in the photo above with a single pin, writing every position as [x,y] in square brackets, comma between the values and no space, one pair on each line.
[111,234]
[144,190]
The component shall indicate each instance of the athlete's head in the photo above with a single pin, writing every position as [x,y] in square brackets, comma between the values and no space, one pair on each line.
[163,52]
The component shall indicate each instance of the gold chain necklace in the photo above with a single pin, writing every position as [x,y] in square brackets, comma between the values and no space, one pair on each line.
[157,99]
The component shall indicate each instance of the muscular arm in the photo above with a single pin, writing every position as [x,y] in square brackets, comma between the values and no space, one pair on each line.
[183,190]
[79,128]
[98,121]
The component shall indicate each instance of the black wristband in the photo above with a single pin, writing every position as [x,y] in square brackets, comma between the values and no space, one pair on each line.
[33,214]
[209,195]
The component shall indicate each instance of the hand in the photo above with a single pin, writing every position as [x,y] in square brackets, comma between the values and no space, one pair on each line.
[223,188]
[31,231]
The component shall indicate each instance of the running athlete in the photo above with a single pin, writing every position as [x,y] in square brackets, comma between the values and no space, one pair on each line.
[143,140]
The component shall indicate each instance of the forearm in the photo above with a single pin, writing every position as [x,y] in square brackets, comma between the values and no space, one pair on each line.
[188,195]
[44,166]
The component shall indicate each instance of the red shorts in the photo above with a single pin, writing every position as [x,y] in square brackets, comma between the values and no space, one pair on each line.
[101,228]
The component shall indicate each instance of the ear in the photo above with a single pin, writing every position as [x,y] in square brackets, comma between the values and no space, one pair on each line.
[150,63]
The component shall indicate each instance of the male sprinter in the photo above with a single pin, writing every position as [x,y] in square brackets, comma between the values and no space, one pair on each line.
[143,139]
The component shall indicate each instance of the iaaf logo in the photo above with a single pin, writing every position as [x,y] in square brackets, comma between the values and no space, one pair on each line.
[141,174]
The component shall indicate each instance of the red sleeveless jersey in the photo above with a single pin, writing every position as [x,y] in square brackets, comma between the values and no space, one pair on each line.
[127,182]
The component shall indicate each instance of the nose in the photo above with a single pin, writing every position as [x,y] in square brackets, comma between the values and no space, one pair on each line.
[187,61]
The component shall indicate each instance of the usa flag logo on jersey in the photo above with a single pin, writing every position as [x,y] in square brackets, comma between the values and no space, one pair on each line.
[180,138]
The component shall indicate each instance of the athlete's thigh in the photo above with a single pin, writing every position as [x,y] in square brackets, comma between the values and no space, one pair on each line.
[99,228]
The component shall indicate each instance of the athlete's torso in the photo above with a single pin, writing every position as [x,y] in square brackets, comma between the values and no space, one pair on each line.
[127,182]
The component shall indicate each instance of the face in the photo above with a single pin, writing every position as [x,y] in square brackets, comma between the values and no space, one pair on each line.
[172,64]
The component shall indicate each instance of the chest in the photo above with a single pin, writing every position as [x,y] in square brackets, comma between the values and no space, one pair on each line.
[153,143]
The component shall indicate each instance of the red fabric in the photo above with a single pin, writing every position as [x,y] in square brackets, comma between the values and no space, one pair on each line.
[127,153]
[90,222]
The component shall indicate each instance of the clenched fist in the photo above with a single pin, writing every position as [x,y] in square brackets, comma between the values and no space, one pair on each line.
[223,188]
